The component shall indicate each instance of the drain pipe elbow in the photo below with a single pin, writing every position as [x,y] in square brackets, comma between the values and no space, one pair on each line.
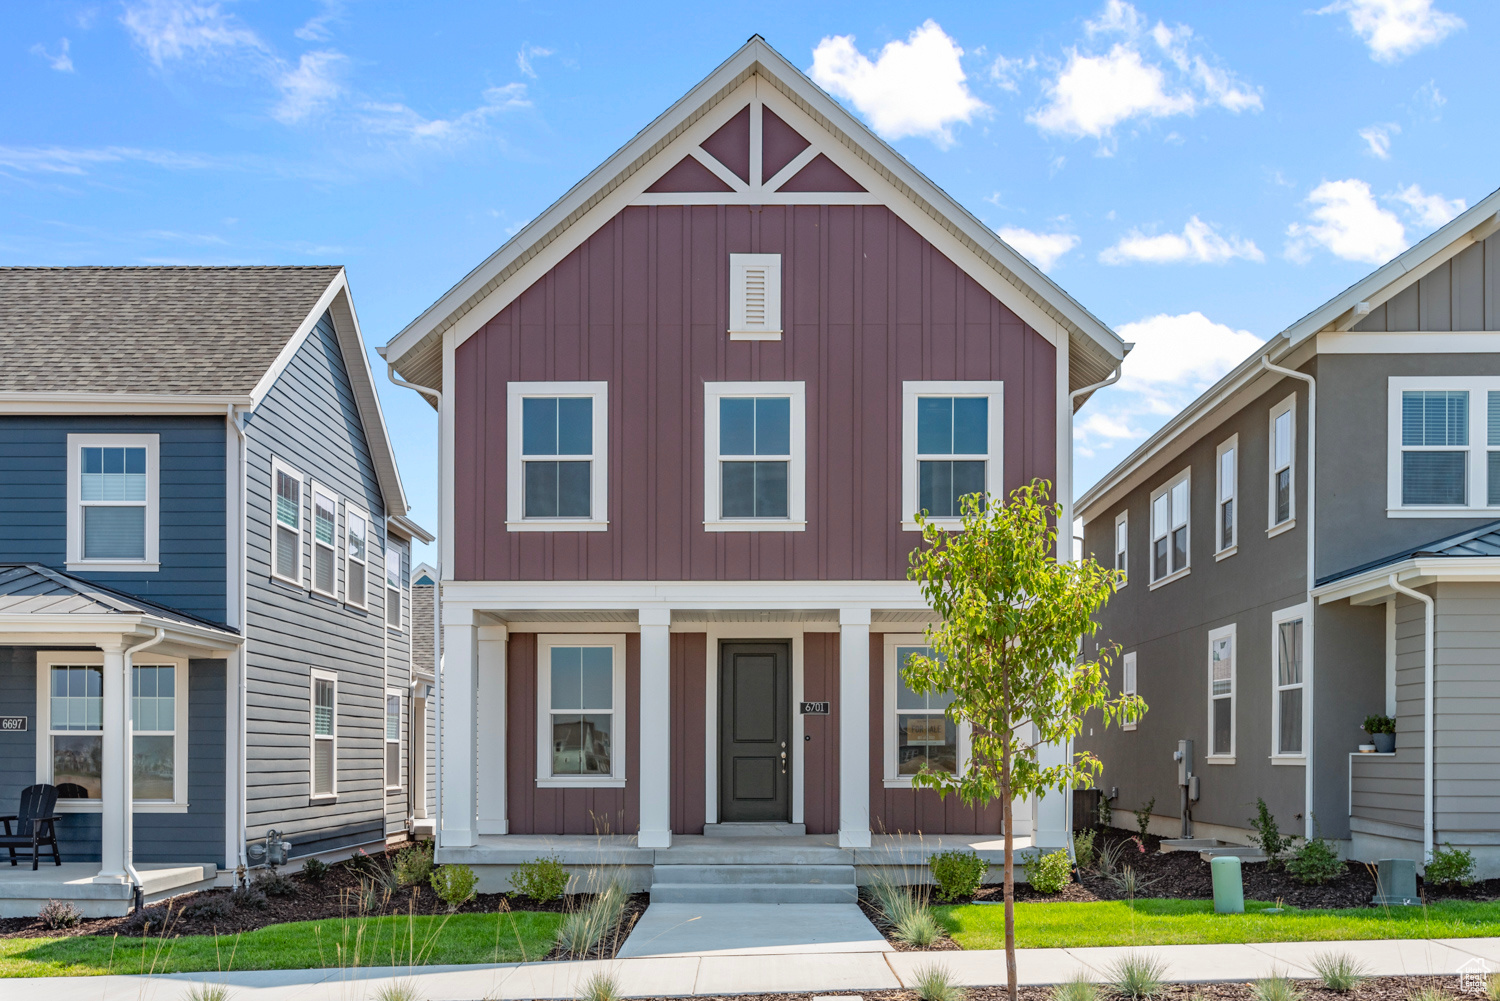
[1429,678]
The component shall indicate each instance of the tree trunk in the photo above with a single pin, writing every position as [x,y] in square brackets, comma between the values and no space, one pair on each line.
[1010,866]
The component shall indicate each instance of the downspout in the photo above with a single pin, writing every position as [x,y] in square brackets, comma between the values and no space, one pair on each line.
[437,613]
[127,790]
[1429,678]
[1310,638]
[237,421]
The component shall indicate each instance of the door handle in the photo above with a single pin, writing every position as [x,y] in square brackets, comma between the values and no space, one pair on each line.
[783,762]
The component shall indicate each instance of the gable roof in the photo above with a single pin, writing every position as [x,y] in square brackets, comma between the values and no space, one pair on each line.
[417,351]
[34,589]
[1249,378]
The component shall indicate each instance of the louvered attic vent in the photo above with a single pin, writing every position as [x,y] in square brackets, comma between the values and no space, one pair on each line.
[755,297]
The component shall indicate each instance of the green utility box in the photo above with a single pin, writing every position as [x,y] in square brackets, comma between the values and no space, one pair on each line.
[1229,885]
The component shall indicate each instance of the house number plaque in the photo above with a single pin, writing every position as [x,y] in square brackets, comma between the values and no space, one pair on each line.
[14,724]
[815,708]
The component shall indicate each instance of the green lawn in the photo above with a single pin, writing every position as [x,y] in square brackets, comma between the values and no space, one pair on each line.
[333,942]
[1173,922]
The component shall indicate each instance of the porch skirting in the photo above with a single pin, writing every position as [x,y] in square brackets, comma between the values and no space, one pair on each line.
[24,893]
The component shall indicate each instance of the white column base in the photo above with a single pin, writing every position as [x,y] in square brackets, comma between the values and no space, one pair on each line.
[854,839]
[854,728]
[654,839]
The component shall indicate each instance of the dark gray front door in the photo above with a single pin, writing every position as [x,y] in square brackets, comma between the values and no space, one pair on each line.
[755,727]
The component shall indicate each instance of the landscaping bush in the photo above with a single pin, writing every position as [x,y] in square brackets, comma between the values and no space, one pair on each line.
[1339,971]
[59,914]
[1109,855]
[1138,975]
[934,982]
[1143,816]
[599,986]
[274,884]
[1315,862]
[957,874]
[1131,883]
[414,863]
[214,907]
[541,879]
[1050,873]
[1083,849]
[454,885]
[249,898]
[585,928]
[404,989]
[1267,834]
[1450,866]
[1275,988]
[314,870]
[208,992]
[1080,988]
[906,909]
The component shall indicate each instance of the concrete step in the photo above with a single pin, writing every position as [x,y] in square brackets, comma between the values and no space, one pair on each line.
[747,830]
[753,893]
[831,875]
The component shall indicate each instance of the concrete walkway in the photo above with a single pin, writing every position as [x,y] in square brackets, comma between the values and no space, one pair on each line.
[752,930]
[724,974]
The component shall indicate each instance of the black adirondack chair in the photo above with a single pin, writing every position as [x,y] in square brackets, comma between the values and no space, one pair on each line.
[35,825]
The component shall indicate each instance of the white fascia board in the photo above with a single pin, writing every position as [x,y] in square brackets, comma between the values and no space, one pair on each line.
[116,403]
[466,597]
[1373,586]
[408,529]
[294,343]
[79,627]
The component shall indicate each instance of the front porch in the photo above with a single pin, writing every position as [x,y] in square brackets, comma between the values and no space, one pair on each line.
[24,893]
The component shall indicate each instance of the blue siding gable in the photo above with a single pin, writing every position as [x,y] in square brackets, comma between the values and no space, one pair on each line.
[34,492]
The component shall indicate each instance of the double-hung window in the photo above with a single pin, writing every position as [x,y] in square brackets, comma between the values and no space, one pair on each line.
[1226,517]
[356,556]
[324,736]
[1127,687]
[1434,447]
[1288,725]
[581,719]
[325,519]
[113,487]
[392,585]
[754,476]
[1221,694]
[74,750]
[1122,546]
[287,487]
[918,732]
[392,740]
[159,713]
[1444,447]
[1170,527]
[557,449]
[952,433]
[1283,455]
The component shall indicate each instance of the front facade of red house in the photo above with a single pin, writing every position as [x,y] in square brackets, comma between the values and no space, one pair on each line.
[686,416]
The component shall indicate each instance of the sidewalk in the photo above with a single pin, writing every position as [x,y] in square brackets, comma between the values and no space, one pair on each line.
[741,974]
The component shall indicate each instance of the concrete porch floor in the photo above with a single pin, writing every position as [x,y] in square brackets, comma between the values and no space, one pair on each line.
[24,893]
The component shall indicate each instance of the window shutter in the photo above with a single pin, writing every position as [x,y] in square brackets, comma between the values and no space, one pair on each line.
[755,296]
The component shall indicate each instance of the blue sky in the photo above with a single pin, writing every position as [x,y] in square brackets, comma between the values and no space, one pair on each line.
[1197,175]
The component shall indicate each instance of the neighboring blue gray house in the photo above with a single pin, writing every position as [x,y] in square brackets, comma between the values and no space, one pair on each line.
[200,506]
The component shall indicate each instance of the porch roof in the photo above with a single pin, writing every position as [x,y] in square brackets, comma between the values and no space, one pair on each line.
[1473,554]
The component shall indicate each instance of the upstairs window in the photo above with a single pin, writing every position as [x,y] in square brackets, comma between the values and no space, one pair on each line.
[755,297]
[1283,460]
[1170,528]
[1443,456]
[557,456]
[325,508]
[286,507]
[1435,447]
[754,448]
[1227,517]
[1122,546]
[392,586]
[112,494]
[356,556]
[951,447]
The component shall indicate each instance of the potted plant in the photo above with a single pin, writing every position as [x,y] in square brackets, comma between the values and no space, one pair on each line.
[1382,731]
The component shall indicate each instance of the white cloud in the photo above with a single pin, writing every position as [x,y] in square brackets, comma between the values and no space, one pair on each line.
[1149,74]
[312,85]
[912,88]
[1198,243]
[62,160]
[61,62]
[527,54]
[402,122]
[182,29]
[1347,222]
[1394,29]
[316,28]
[1378,138]
[1041,249]
[1428,211]
[1006,73]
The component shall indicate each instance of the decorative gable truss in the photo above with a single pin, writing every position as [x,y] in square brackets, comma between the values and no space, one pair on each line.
[768,152]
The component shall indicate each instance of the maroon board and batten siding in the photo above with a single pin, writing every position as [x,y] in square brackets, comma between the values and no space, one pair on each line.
[820,766]
[688,659]
[643,305]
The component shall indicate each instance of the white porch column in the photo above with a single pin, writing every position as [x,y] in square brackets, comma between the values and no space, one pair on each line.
[457,755]
[854,728]
[656,728]
[491,733]
[1049,825]
[115,773]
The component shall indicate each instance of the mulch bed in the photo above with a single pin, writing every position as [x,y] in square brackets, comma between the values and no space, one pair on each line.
[1375,989]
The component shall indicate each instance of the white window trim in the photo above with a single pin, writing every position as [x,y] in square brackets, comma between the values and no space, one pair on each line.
[314,676]
[386,742]
[544,777]
[1186,568]
[152,561]
[45,659]
[303,526]
[1274,527]
[1222,551]
[400,624]
[1129,682]
[1234,694]
[515,514]
[1478,469]
[796,519]
[1277,618]
[994,469]
[313,489]
[892,778]
[740,328]
[1122,556]
[350,513]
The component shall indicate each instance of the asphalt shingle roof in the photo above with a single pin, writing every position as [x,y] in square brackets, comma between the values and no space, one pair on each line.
[1481,541]
[34,589]
[181,330]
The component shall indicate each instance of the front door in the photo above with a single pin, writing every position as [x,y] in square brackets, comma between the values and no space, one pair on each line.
[755,728]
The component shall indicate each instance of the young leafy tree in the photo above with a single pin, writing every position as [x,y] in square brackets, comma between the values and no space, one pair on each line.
[1009,647]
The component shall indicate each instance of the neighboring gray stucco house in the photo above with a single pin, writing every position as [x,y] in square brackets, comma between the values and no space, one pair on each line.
[1263,621]
[203,570]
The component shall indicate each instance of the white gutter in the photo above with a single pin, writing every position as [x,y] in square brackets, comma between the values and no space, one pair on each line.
[1309,664]
[127,779]
[242,807]
[1429,677]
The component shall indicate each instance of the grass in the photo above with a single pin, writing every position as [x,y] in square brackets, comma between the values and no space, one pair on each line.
[1179,922]
[295,945]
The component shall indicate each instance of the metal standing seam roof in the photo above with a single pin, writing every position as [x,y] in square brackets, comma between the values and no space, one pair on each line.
[1481,541]
[211,331]
[34,589]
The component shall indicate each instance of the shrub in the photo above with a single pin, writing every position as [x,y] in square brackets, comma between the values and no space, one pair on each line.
[957,873]
[248,898]
[414,863]
[1339,971]
[1143,816]
[397,990]
[1131,883]
[918,928]
[1109,854]
[1138,975]
[541,879]
[454,885]
[1083,849]
[1049,873]
[1379,724]
[1492,987]
[599,986]
[1080,988]
[911,920]
[1267,834]
[274,884]
[59,914]
[1275,988]
[1315,862]
[583,930]
[1106,812]
[213,907]
[1450,866]
[208,992]
[934,982]
[314,870]
[1429,993]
